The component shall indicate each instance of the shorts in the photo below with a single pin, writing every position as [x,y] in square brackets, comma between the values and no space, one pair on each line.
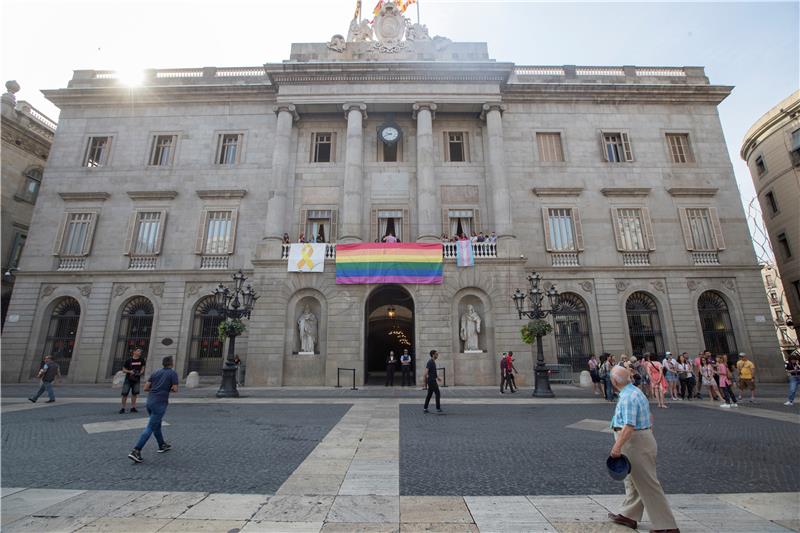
[130,387]
[672,377]
[595,376]
[745,384]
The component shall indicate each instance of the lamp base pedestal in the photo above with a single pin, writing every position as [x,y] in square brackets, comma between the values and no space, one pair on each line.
[228,387]
[541,387]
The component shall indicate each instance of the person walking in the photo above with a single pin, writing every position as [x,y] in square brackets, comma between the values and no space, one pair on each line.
[391,365]
[747,376]
[793,370]
[159,385]
[48,373]
[503,382]
[133,367]
[432,379]
[510,371]
[707,379]
[658,383]
[633,437]
[593,373]
[405,368]
[725,382]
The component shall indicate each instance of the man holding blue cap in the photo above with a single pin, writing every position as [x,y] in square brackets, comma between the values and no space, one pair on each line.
[633,436]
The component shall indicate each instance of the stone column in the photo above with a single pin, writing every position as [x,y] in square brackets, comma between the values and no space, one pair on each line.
[277,221]
[496,171]
[428,213]
[352,207]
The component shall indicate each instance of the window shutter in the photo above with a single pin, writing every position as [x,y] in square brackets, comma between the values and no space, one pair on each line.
[373,226]
[687,230]
[334,225]
[87,244]
[162,222]
[446,146]
[60,234]
[615,225]
[576,221]
[626,146]
[647,224]
[476,219]
[548,245]
[131,230]
[200,243]
[603,148]
[465,146]
[303,223]
[720,240]
[333,147]
[446,222]
[407,227]
[232,243]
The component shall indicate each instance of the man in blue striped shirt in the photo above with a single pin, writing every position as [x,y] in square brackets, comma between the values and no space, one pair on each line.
[633,436]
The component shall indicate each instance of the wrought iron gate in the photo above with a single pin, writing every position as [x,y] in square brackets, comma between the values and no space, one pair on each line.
[135,327]
[572,332]
[61,332]
[716,323]
[205,356]
[644,324]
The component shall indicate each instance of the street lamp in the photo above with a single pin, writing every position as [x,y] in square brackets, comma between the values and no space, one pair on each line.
[541,387]
[235,305]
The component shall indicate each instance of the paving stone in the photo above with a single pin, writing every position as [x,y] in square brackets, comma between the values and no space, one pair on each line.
[793,525]
[591,527]
[126,525]
[36,524]
[434,509]
[226,507]
[282,527]
[27,502]
[93,503]
[295,509]
[365,484]
[332,527]
[772,506]
[438,527]
[8,491]
[181,525]
[159,505]
[509,513]
[311,484]
[581,509]
[365,509]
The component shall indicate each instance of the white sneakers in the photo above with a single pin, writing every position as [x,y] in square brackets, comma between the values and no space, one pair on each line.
[788,403]
[725,405]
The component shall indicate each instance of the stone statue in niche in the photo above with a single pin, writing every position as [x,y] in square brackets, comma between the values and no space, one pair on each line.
[307,324]
[470,329]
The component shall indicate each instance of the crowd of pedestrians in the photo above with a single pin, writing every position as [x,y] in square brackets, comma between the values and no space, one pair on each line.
[682,378]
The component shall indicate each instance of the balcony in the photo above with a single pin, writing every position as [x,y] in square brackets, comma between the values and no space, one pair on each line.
[481,250]
[636,259]
[564,259]
[71,264]
[143,262]
[213,262]
[705,258]
[330,251]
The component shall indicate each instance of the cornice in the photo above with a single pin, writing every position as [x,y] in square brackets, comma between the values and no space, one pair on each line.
[152,195]
[557,191]
[693,191]
[159,94]
[625,191]
[619,93]
[221,193]
[93,196]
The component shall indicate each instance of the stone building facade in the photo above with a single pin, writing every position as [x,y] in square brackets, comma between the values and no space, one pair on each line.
[26,135]
[779,307]
[613,182]
[772,151]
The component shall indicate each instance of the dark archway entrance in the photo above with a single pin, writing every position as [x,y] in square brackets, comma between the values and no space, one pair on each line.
[389,326]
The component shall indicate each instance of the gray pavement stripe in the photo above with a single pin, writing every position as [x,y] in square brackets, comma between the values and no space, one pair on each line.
[118,425]
[790,417]
[590,424]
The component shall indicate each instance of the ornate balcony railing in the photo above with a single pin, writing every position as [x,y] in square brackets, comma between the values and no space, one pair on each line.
[71,264]
[481,250]
[143,262]
[330,251]
[636,258]
[564,259]
[705,258]
[213,262]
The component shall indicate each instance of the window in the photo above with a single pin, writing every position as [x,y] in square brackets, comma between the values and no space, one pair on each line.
[323,148]
[795,150]
[390,152]
[572,332]
[617,147]
[701,229]
[97,151]
[679,148]
[162,151]
[320,225]
[644,324]
[779,315]
[761,166]
[456,146]
[717,327]
[633,233]
[562,230]
[62,329]
[135,327]
[218,232]
[229,148]
[16,249]
[390,222]
[147,233]
[461,222]
[773,297]
[784,246]
[30,190]
[205,351]
[773,204]
[769,280]
[76,235]
[550,147]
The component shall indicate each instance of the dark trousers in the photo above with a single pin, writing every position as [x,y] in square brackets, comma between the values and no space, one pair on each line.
[433,388]
[728,394]
[390,375]
[609,390]
[156,412]
[512,383]
[503,381]
[687,386]
[406,369]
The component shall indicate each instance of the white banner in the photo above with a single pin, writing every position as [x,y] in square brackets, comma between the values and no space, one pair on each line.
[306,257]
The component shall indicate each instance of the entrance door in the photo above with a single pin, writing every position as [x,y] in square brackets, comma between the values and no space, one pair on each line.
[390,327]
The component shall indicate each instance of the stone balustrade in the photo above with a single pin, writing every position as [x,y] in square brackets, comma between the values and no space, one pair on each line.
[705,258]
[71,264]
[481,250]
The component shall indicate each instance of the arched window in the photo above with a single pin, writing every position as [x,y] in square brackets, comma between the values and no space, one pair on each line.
[644,324]
[205,355]
[61,331]
[573,341]
[135,327]
[715,319]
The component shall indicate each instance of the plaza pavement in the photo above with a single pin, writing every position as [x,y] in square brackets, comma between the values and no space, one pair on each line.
[370,460]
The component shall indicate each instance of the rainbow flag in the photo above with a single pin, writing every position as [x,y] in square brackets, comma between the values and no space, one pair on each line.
[399,262]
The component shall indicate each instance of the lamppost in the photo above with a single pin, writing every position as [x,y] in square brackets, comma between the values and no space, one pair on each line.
[235,305]
[535,312]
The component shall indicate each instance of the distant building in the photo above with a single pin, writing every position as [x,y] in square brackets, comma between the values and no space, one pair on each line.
[781,317]
[27,135]
[613,182]
[772,151]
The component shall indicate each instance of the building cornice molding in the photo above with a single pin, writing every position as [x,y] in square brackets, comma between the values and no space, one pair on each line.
[152,195]
[626,191]
[617,93]
[693,191]
[207,194]
[557,191]
[92,196]
[160,94]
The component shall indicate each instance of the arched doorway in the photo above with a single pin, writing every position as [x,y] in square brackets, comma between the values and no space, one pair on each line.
[205,350]
[389,326]
[644,325]
[61,332]
[716,323]
[572,333]
[135,327]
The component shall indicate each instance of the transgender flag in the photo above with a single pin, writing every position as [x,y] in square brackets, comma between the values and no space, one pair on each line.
[464,255]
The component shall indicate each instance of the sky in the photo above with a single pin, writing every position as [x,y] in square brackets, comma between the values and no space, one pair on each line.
[754,46]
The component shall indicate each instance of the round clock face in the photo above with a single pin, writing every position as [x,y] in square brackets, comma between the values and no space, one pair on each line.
[390,134]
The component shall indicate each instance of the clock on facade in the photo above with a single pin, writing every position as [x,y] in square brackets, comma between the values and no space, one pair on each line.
[389,133]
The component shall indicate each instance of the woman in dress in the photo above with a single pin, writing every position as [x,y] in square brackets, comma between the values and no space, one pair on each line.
[707,372]
[658,383]
[725,382]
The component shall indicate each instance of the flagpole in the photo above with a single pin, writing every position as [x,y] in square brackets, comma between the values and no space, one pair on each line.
[417,11]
